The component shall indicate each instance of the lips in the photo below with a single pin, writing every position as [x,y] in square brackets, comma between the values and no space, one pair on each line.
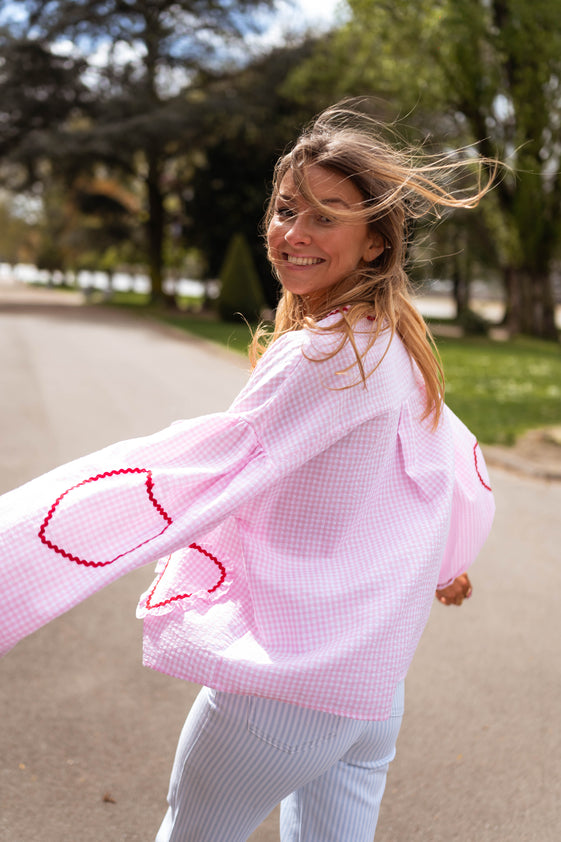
[296,260]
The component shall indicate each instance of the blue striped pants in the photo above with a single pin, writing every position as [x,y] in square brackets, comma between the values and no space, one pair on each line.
[240,756]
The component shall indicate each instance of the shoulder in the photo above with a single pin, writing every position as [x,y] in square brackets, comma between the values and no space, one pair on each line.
[317,363]
[385,361]
[278,366]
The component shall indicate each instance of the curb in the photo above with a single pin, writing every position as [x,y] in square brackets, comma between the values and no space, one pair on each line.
[495,455]
[500,458]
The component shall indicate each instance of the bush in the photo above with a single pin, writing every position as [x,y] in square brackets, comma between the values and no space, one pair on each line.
[240,291]
[473,324]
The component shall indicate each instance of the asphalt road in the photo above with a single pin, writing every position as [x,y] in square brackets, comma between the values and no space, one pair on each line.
[87,735]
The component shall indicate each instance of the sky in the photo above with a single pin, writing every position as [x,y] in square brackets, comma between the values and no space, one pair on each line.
[322,11]
[297,15]
[291,18]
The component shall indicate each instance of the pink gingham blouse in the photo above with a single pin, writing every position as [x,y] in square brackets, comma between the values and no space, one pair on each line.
[301,534]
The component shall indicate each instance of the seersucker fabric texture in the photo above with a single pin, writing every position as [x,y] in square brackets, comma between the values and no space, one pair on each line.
[300,535]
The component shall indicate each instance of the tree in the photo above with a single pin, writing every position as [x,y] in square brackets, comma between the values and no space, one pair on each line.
[476,71]
[250,121]
[19,236]
[141,56]
[240,292]
[40,92]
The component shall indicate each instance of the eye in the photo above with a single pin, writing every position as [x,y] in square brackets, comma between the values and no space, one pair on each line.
[325,220]
[285,212]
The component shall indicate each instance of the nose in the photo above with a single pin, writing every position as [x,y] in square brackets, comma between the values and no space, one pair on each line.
[298,232]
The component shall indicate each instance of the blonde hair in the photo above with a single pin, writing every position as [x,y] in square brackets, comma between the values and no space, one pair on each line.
[398,185]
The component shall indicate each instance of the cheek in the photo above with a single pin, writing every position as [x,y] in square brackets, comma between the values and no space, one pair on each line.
[273,235]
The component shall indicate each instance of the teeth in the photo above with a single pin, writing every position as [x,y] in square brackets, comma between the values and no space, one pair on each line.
[303,261]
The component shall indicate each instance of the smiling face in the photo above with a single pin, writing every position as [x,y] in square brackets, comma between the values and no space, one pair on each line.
[311,251]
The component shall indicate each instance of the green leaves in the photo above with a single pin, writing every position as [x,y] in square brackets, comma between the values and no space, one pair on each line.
[460,72]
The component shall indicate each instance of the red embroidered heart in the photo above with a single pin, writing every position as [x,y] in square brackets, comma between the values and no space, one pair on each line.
[481,480]
[112,520]
[221,573]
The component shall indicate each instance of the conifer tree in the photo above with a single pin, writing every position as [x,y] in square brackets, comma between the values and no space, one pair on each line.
[240,292]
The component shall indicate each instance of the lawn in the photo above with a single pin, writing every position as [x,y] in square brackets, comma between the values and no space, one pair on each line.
[499,389]
[502,389]
[235,336]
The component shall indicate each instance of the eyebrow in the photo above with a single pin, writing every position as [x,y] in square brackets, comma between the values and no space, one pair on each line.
[335,200]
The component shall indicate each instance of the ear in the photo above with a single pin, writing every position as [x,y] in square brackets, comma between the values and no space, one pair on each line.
[374,247]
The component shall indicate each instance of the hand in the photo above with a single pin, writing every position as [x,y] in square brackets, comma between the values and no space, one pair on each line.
[455,593]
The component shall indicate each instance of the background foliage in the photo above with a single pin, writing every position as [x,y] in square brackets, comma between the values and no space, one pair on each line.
[147,135]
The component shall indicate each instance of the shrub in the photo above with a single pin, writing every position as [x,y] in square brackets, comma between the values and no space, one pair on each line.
[473,324]
[240,291]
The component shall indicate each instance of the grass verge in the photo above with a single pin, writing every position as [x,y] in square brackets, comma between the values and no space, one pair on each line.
[234,336]
[502,389]
[499,389]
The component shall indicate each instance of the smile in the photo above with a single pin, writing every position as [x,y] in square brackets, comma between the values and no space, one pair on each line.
[302,261]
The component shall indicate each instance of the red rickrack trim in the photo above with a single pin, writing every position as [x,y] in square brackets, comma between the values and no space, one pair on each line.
[177,597]
[338,310]
[481,480]
[149,487]
[344,310]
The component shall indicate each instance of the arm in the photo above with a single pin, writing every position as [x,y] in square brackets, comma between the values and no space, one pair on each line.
[69,533]
[472,510]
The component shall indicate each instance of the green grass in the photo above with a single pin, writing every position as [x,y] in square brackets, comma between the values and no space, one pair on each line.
[134,300]
[234,336]
[499,389]
[502,389]
[124,299]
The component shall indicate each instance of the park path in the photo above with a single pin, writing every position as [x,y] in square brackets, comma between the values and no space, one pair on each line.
[87,734]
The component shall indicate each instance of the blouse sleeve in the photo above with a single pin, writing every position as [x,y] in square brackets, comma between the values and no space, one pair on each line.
[72,531]
[473,505]
[67,534]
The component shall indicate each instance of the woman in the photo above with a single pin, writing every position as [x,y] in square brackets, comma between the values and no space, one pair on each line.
[302,533]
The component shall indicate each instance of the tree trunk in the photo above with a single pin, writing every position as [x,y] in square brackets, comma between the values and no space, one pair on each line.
[155,229]
[461,290]
[545,311]
[461,270]
[530,306]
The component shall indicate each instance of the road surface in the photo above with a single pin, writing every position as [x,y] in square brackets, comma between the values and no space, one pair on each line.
[87,734]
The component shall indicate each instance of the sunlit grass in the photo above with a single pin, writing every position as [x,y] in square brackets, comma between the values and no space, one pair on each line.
[502,389]
[233,335]
[499,389]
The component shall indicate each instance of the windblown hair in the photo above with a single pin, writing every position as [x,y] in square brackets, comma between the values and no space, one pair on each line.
[398,186]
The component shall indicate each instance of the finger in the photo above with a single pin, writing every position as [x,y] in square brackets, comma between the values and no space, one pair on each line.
[468,589]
